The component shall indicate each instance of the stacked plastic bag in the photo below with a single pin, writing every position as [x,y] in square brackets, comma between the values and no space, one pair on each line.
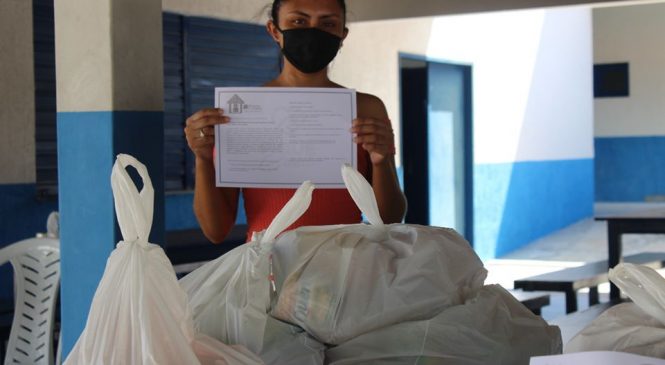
[230,296]
[343,281]
[139,314]
[637,327]
[490,327]
[371,293]
[346,294]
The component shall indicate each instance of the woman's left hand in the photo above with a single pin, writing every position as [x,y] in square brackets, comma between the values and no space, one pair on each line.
[374,136]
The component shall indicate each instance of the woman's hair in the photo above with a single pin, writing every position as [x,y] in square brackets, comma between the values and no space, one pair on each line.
[276,4]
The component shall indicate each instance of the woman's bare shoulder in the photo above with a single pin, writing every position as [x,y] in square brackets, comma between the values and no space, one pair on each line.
[370,106]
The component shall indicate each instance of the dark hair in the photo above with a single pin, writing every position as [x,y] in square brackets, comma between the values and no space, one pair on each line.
[274,10]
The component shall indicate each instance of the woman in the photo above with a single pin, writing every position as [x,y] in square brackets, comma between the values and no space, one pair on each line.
[310,33]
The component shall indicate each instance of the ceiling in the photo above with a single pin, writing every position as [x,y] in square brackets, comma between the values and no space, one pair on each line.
[365,10]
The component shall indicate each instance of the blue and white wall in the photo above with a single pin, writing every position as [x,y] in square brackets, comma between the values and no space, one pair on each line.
[630,131]
[533,109]
[21,215]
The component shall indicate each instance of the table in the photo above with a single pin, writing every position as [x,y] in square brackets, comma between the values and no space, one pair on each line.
[642,218]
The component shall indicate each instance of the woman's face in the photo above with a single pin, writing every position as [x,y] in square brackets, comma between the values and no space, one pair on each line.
[326,15]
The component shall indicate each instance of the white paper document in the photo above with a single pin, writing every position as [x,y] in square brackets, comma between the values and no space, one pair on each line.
[596,358]
[279,137]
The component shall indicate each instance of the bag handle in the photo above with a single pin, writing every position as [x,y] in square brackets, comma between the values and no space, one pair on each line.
[294,208]
[643,285]
[362,193]
[133,209]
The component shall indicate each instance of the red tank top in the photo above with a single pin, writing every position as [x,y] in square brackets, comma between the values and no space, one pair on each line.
[329,206]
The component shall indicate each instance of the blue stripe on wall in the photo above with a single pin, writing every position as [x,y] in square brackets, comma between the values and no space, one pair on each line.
[516,203]
[629,168]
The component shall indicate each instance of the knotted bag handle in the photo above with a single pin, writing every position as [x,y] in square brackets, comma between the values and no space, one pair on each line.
[294,208]
[134,209]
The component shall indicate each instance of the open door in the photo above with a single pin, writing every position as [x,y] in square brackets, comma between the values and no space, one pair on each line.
[437,143]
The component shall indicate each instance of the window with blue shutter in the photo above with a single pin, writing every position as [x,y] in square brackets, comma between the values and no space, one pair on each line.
[46,158]
[199,54]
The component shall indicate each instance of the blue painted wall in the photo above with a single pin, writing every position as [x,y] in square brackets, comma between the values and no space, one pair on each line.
[629,168]
[516,203]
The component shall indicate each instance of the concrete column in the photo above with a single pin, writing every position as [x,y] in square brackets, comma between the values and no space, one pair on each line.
[17,94]
[110,100]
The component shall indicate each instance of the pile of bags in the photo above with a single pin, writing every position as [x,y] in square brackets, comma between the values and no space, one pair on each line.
[357,294]
[346,294]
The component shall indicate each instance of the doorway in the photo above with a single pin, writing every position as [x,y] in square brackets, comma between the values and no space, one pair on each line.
[437,137]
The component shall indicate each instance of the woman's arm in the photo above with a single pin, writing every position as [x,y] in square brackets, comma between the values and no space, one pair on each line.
[374,134]
[215,208]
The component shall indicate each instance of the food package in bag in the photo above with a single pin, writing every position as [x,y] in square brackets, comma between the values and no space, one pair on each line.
[231,296]
[490,327]
[139,314]
[338,282]
[637,327]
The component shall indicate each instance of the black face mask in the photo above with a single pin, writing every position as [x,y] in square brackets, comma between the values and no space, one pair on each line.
[309,49]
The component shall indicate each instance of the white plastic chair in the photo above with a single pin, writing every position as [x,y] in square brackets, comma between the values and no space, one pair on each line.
[36,264]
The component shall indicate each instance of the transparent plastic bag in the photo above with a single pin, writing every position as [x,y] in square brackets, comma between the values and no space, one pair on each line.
[139,314]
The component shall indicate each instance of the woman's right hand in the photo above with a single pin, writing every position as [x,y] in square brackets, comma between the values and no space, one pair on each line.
[200,131]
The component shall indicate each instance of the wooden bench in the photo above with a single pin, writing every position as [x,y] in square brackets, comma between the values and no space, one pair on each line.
[588,275]
[535,301]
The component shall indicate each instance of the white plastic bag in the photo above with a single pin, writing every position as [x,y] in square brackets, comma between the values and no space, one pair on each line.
[491,327]
[637,327]
[230,297]
[338,282]
[139,313]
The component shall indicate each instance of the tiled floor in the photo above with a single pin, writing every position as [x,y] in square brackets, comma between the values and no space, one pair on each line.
[584,241]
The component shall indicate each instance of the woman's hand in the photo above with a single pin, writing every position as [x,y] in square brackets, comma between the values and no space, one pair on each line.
[200,131]
[374,136]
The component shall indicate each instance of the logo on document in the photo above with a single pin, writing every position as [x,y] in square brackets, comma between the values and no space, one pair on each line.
[236,105]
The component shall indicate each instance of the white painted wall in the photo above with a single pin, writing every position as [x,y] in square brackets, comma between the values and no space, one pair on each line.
[17,93]
[368,60]
[633,34]
[531,70]
[532,77]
